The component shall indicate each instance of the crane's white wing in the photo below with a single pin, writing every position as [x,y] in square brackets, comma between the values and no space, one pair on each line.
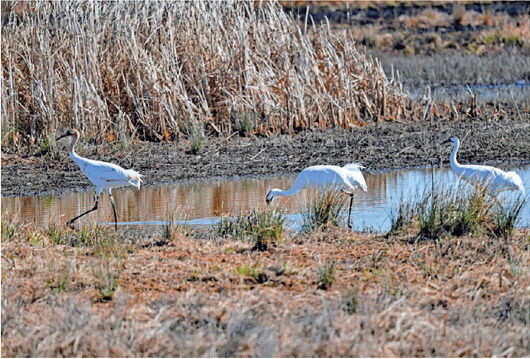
[330,176]
[491,177]
[354,175]
[516,180]
[105,173]
[354,166]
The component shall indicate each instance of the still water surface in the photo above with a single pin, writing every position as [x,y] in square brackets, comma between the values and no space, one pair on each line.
[203,202]
[518,92]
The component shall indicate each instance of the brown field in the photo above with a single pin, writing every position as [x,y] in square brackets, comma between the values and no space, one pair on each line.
[188,293]
[429,27]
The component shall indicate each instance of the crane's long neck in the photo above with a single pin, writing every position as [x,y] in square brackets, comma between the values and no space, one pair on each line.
[452,159]
[71,150]
[295,188]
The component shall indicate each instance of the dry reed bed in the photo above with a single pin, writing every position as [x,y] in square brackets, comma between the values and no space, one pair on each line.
[158,70]
[194,296]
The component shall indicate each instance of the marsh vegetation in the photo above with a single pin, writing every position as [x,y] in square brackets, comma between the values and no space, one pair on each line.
[180,89]
[159,71]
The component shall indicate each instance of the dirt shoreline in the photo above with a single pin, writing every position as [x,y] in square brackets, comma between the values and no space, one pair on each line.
[382,146]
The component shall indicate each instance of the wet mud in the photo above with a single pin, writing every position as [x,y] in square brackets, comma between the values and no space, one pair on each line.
[382,146]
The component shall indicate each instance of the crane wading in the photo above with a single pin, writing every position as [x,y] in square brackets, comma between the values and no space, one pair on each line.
[346,179]
[493,179]
[103,175]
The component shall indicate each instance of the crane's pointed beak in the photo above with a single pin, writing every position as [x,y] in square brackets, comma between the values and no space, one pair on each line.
[446,141]
[58,138]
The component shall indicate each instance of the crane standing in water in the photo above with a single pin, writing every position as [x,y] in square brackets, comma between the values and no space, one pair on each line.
[493,179]
[103,175]
[346,178]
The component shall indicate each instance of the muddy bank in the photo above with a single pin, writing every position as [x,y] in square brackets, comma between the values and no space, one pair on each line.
[383,146]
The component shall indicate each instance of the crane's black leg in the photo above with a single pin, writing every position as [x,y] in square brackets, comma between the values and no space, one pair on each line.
[70,222]
[350,225]
[113,210]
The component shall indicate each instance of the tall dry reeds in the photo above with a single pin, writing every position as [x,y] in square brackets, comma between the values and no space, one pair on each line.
[157,70]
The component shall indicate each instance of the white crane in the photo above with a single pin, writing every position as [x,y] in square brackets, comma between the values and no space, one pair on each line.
[103,175]
[346,178]
[493,179]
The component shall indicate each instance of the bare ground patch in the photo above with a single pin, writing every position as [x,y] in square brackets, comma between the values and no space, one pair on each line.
[501,138]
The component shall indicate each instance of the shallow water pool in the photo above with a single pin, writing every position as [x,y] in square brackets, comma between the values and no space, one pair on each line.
[203,202]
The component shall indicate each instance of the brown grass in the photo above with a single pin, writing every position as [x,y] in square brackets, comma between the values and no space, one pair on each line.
[207,296]
[159,70]
[408,28]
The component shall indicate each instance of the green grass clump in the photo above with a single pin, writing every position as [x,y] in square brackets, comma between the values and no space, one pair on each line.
[403,217]
[453,214]
[197,143]
[171,229]
[106,274]
[254,271]
[10,230]
[263,227]
[505,218]
[245,123]
[47,147]
[446,212]
[350,302]
[507,38]
[60,279]
[56,234]
[326,276]
[36,238]
[324,211]
[103,241]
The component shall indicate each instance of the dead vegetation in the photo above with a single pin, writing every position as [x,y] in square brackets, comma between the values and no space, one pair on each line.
[426,27]
[325,293]
[164,70]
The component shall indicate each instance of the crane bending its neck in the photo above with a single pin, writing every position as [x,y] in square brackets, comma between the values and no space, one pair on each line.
[286,193]
[296,187]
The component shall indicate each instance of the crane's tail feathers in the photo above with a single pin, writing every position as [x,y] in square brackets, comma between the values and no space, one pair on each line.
[517,181]
[364,186]
[354,166]
[135,178]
